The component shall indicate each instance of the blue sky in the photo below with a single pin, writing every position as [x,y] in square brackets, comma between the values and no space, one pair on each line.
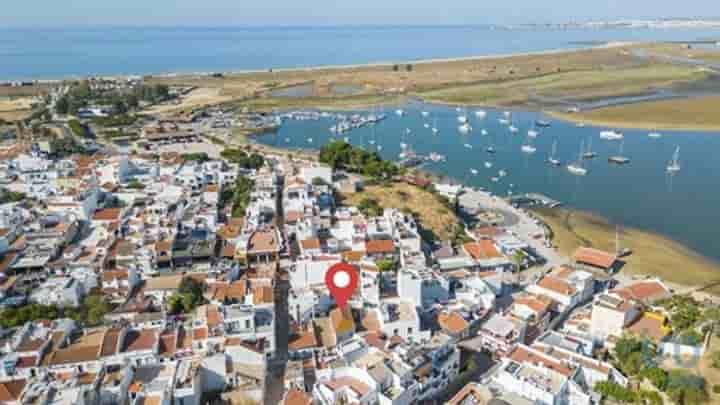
[336,12]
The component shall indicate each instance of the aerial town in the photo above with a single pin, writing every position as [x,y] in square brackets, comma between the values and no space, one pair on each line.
[146,259]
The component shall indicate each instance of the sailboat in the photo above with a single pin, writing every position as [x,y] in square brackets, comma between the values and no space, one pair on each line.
[467,145]
[399,112]
[488,165]
[480,114]
[611,135]
[426,125]
[435,129]
[577,168]
[425,113]
[483,132]
[462,118]
[654,135]
[528,147]
[533,133]
[674,165]
[490,149]
[619,159]
[589,154]
[513,129]
[552,159]
[465,128]
[474,171]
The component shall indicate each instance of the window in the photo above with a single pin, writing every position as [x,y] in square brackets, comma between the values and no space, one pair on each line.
[395,332]
[247,324]
[410,331]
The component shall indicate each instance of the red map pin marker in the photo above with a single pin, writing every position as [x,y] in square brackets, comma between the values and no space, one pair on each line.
[341,279]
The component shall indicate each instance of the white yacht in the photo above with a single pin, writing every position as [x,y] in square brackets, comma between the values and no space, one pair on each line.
[577,168]
[399,112]
[528,147]
[533,133]
[474,172]
[425,113]
[480,114]
[488,165]
[674,165]
[552,159]
[654,135]
[611,135]
[484,132]
[513,129]
[465,128]
[467,145]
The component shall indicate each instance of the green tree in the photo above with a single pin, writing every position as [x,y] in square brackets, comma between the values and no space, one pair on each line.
[370,207]
[685,388]
[62,106]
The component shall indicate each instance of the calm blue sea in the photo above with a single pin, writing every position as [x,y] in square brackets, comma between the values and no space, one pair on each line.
[641,194]
[59,53]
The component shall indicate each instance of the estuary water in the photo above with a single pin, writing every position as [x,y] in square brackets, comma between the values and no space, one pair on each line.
[684,206]
[45,53]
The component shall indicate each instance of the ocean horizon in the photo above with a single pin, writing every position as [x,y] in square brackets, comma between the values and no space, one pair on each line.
[34,53]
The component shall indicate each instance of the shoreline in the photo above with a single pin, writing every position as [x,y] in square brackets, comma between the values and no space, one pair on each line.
[330,67]
[650,126]
[650,246]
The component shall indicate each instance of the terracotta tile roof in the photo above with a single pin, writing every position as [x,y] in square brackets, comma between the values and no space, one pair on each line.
[557,285]
[352,256]
[200,333]
[75,354]
[342,320]
[646,291]
[263,295]
[214,317]
[263,241]
[483,249]
[348,382]
[313,243]
[10,390]
[137,340]
[594,257]
[292,216]
[27,362]
[305,339]
[30,345]
[379,246]
[168,344]
[110,342]
[452,322]
[522,355]
[297,397]
[111,275]
[469,394]
[650,325]
[107,214]
[539,304]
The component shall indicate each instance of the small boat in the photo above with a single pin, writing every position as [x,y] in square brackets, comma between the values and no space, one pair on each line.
[474,172]
[528,147]
[494,179]
[589,154]
[435,130]
[480,114]
[465,128]
[674,165]
[467,145]
[403,145]
[542,123]
[533,133]
[379,147]
[654,135]
[426,125]
[462,119]
[513,129]
[309,140]
[458,109]
[346,139]
[484,132]
[399,112]
[504,121]
[287,140]
[502,173]
[488,165]
[619,159]
[577,168]
[580,125]
[552,159]
[506,114]
[490,149]
[436,157]
[425,113]
[371,142]
[611,135]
